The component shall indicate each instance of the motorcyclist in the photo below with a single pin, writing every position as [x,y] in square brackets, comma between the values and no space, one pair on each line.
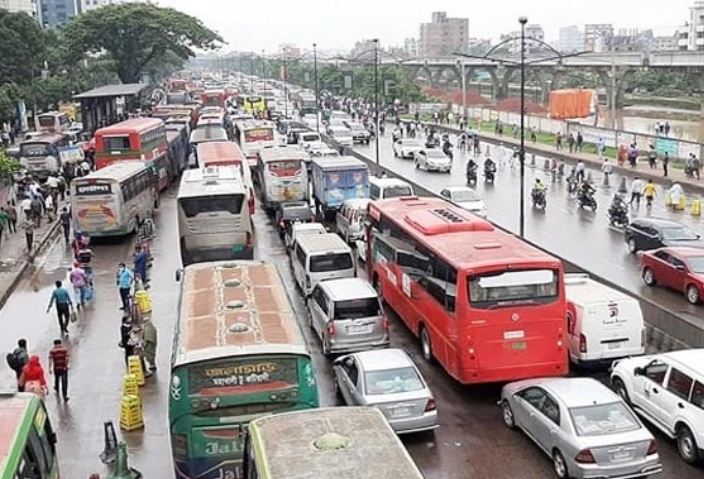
[586,192]
[489,168]
[471,170]
[447,147]
[618,210]
[538,191]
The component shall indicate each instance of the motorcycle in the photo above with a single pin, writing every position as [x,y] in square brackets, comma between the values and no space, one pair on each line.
[472,176]
[489,174]
[587,200]
[539,199]
[572,185]
[618,215]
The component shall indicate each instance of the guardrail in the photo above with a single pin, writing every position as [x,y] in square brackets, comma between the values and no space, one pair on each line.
[665,331]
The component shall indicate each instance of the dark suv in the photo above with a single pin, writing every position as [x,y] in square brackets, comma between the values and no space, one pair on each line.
[652,233]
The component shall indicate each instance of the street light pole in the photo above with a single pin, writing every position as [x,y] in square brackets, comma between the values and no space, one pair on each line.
[464,91]
[263,66]
[285,86]
[317,97]
[376,99]
[522,151]
[251,76]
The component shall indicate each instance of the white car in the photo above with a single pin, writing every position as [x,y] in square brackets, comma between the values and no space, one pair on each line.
[667,389]
[433,160]
[466,198]
[407,147]
[341,134]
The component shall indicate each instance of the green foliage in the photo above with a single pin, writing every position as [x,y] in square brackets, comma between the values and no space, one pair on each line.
[21,48]
[660,83]
[136,34]
[8,166]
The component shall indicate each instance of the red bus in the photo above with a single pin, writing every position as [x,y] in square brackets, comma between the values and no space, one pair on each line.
[214,98]
[226,153]
[135,139]
[486,305]
[177,84]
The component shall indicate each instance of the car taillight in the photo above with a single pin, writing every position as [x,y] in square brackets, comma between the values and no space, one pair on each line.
[582,343]
[331,329]
[585,457]
[653,448]
[431,405]
[249,240]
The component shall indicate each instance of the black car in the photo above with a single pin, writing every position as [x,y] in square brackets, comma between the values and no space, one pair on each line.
[290,213]
[653,233]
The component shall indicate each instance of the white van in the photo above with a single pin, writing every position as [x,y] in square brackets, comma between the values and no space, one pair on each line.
[319,257]
[603,324]
[385,188]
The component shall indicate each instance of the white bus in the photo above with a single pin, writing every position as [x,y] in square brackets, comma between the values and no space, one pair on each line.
[254,136]
[282,176]
[214,219]
[113,200]
[327,442]
[53,122]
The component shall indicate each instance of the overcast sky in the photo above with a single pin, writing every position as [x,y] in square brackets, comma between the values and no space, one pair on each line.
[265,24]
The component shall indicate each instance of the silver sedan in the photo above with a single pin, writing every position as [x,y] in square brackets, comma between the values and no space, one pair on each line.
[587,429]
[389,380]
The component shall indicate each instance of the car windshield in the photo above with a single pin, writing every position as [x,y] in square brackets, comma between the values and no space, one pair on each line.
[678,233]
[397,191]
[696,264]
[436,154]
[325,263]
[465,195]
[506,288]
[392,381]
[603,419]
[298,212]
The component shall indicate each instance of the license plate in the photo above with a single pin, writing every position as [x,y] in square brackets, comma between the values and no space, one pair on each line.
[237,248]
[520,345]
[614,345]
[400,412]
[621,456]
[359,329]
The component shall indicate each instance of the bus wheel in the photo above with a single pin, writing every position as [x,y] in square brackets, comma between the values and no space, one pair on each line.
[426,347]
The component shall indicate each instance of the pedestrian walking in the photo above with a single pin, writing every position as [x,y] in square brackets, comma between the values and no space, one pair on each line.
[3,222]
[665,162]
[66,223]
[49,207]
[141,258]
[17,360]
[570,142]
[580,141]
[58,366]
[28,227]
[606,170]
[580,171]
[652,157]
[558,141]
[79,280]
[667,128]
[125,278]
[37,207]
[636,191]
[149,339]
[600,146]
[126,341]
[11,218]
[696,165]
[62,300]
[649,193]
[33,378]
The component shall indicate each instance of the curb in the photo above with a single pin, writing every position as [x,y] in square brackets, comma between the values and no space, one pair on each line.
[19,275]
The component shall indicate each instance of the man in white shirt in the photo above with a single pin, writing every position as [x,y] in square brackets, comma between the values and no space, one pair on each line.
[636,190]
[26,206]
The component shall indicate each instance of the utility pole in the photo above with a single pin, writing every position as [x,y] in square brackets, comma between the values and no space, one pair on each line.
[251,76]
[317,98]
[522,151]
[285,86]
[376,99]
[613,91]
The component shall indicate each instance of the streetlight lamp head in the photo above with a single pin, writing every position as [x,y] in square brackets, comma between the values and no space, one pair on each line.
[523,20]
[375,40]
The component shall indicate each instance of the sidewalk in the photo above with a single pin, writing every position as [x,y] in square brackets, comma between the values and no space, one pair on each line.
[14,260]
[591,160]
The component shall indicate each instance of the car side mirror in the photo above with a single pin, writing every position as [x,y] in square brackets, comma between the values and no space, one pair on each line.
[639,372]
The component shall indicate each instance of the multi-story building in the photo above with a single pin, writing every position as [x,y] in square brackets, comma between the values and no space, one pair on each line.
[632,40]
[56,12]
[664,43]
[83,6]
[571,39]
[363,50]
[443,35]
[411,45]
[598,37]
[691,36]
[531,31]
[291,50]
[27,6]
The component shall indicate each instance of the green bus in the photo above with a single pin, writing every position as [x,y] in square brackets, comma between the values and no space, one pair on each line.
[339,442]
[27,441]
[238,354]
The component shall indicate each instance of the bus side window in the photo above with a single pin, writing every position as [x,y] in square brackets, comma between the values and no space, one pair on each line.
[29,466]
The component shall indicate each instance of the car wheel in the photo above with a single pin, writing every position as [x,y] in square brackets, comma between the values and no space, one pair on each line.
[426,346]
[632,245]
[687,445]
[395,154]
[559,465]
[692,294]
[417,165]
[620,389]
[507,413]
[649,277]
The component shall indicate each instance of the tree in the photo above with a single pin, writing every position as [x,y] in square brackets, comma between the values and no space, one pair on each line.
[134,35]
[8,166]
[21,49]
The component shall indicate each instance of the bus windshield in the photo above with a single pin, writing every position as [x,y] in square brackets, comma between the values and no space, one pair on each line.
[258,134]
[117,143]
[212,204]
[35,149]
[505,288]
